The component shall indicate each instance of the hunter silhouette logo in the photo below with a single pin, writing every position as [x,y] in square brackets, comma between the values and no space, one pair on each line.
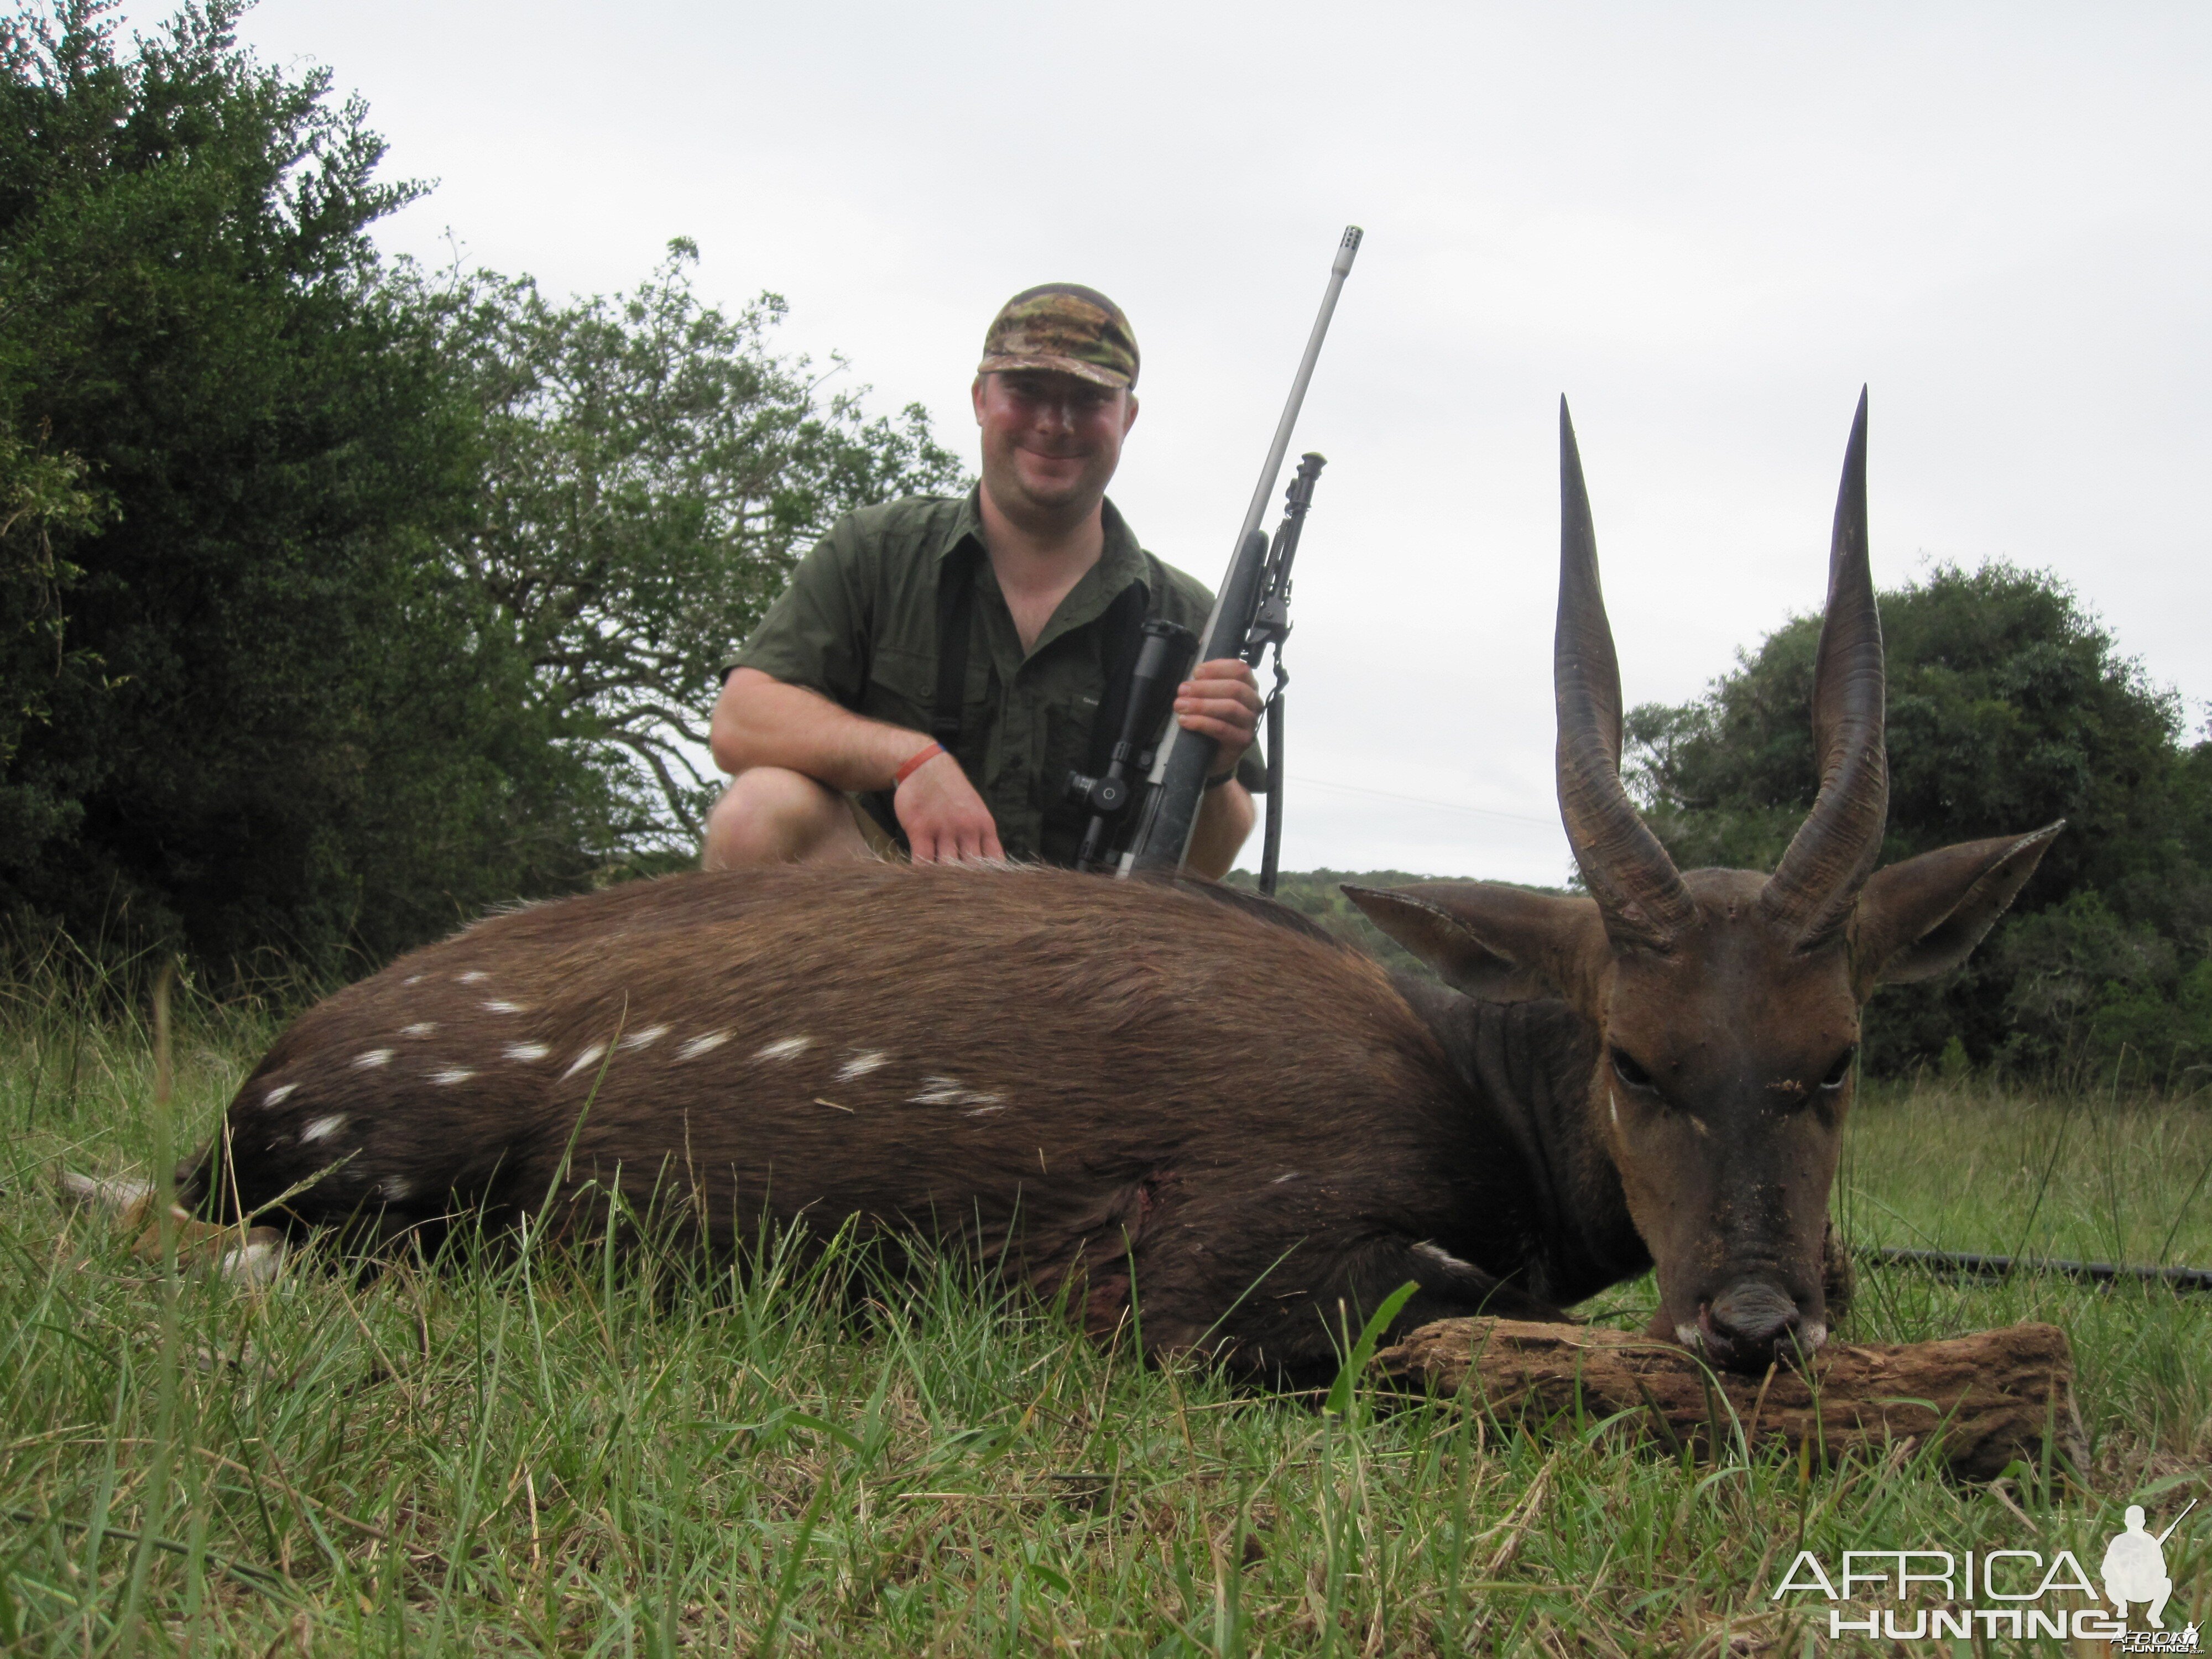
[2010,1593]
[2134,1570]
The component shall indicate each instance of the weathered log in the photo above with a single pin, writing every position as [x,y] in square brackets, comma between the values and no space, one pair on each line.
[1987,1397]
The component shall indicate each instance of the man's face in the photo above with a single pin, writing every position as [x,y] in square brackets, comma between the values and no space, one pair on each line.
[1050,441]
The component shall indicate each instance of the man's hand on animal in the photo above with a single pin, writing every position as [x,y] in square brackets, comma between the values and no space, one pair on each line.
[1221,700]
[943,818]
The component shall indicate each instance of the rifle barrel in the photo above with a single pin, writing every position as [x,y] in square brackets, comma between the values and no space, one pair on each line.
[1264,491]
[1163,838]
[2178,1520]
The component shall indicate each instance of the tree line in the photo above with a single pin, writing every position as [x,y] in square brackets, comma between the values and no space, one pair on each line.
[341,598]
[2010,706]
[338,598]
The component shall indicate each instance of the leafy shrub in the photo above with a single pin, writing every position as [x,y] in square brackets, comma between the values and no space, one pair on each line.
[337,602]
[2009,706]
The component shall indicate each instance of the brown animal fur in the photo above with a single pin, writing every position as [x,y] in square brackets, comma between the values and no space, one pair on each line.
[1069,1074]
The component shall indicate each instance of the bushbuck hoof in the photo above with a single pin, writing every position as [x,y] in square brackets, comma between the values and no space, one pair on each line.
[253,1257]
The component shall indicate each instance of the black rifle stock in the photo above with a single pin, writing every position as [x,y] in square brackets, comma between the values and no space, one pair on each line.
[1178,786]
[1177,783]
[1164,655]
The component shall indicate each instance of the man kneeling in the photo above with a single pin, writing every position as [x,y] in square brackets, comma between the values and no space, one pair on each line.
[850,733]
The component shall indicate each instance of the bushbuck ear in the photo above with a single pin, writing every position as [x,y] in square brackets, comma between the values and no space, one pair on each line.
[1499,943]
[1924,917]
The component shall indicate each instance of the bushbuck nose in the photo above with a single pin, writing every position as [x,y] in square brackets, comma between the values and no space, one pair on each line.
[1749,1322]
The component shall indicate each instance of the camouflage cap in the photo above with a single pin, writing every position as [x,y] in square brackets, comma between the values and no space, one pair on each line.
[1065,327]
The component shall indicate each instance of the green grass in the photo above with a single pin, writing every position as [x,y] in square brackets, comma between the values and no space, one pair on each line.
[557,1453]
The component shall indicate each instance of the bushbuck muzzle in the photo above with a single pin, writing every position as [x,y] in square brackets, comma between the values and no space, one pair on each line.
[1184,1111]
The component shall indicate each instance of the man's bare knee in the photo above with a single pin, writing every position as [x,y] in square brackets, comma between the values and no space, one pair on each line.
[770,814]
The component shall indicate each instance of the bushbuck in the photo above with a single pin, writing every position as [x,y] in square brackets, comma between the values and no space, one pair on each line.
[1171,1099]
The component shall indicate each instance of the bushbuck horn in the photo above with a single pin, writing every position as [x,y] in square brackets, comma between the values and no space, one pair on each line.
[1638,888]
[1817,884]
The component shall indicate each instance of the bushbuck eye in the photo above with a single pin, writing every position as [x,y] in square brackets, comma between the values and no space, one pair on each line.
[1839,1074]
[1629,1071]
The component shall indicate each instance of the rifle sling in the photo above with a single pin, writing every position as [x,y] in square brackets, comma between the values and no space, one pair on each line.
[956,611]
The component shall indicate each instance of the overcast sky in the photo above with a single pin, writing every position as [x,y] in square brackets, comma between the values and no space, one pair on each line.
[1706,225]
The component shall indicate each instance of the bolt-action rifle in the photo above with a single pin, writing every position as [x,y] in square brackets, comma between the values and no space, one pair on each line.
[1164,657]
[1250,613]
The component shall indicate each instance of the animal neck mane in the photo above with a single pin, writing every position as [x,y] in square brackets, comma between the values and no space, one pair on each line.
[1530,1064]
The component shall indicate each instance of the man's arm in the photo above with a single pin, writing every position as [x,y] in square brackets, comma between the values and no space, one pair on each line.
[759,720]
[1224,820]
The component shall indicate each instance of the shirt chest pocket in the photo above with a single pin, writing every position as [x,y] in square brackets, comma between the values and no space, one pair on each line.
[1068,719]
[902,691]
[1069,691]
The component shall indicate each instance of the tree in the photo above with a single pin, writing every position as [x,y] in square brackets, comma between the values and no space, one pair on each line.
[2009,706]
[251,686]
[653,469]
[41,493]
[337,604]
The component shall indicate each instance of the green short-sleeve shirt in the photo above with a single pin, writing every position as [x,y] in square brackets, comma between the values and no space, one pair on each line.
[859,625]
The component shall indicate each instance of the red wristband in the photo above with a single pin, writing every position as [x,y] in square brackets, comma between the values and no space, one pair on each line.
[915,761]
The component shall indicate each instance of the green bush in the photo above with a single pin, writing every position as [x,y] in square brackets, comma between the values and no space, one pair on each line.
[250,712]
[2009,706]
[337,602]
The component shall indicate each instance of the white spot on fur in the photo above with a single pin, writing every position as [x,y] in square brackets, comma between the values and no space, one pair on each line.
[1699,1124]
[1612,1105]
[1690,1336]
[257,1263]
[950,1091]
[496,1007]
[393,1189]
[700,1045]
[1813,1334]
[472,976]
[94,1193]
[1287,1174]
[589,1058]
[277,1095]
[321,1129]
[645,1039]
[1444,1258]
[785,1048]
[372,1059]
[524,1051]
[984,1111]
[421,1028]
[859,1066]
[451,1075]
[412,979]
